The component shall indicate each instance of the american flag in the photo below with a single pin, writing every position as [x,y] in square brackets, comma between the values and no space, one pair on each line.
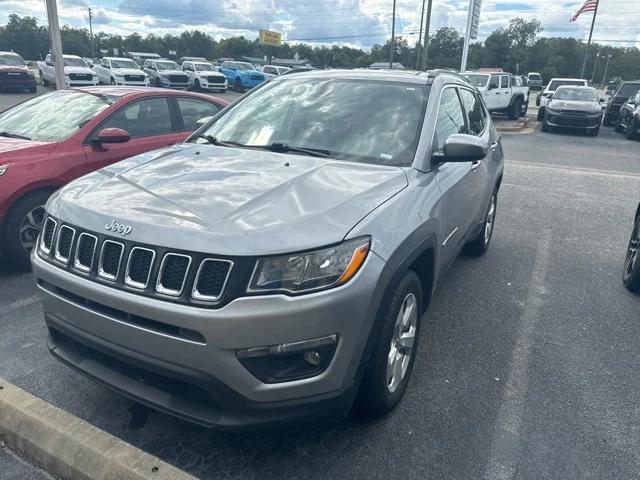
[589,6]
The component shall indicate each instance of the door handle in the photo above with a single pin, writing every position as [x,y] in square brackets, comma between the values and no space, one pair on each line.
[493,146]
[475,164]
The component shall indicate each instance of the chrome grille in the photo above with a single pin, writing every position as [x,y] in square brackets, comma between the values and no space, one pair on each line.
[64,243]
[47,235]
[85,252]
[139,267]
[211,279]
[173,273]
[110,259]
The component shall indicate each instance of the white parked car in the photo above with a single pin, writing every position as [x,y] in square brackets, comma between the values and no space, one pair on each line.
[121,71]
[204,76]
[544,98]
[76,72]
[166,73]
[273,71]
[501,92]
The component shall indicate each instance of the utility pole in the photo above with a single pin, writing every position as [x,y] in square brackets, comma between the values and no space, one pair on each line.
[425,47]
[419,45]
[91,33]
[467,38]
[392,45]
[595,65]
[586,52]
[56,43]
[604,77]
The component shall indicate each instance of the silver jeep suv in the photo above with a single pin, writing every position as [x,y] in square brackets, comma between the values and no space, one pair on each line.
[277,265]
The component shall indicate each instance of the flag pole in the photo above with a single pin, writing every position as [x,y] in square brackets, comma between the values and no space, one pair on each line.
[586,52]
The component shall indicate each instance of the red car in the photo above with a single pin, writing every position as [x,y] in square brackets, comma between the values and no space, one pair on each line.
[52,139]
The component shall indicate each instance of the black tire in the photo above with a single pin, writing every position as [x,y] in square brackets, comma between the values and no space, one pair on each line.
[619,127]
[632,130]
[479,245]
[237,86]
[515,109]
[375,396]
[44,81]
[112,82]
[196,85]
[631,272]
[541,114]
[12,245]
[157,82]
[545,126]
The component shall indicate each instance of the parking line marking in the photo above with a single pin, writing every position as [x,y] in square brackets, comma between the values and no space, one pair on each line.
[574,170]
[18,304]
[505,444]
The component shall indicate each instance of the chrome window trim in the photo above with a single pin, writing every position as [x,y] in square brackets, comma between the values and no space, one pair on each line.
[56,254]
[167,291]
[127,278]
[43,249]
[208,298]
[101,272]
[76,263]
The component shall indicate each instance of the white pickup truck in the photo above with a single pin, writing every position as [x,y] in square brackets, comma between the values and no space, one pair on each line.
[121,71]
[204,76]
[501,92]
[76,72]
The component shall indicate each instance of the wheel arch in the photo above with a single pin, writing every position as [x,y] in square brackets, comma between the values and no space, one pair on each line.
[28,190]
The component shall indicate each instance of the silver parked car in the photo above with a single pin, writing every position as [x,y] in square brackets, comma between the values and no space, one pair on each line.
[276,266]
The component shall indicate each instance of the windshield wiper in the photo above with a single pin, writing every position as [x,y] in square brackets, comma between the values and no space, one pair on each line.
[13,135]
[284,148]
[221,143]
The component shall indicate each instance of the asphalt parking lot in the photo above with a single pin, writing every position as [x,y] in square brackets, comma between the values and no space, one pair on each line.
[527,367]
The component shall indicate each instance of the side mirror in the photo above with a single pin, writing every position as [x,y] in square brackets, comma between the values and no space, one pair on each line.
[464,148]
[113,135]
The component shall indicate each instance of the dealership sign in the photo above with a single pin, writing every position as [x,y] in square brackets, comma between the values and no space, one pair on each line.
[270,38]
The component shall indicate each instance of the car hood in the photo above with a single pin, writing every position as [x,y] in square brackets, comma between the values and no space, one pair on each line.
[249,72]
[171,72]
[578,106]
[68,70]
[128,71]
[209,72]
[11,68]
[229,201]
[9,145]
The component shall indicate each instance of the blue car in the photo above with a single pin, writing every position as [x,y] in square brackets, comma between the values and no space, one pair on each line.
[241,75]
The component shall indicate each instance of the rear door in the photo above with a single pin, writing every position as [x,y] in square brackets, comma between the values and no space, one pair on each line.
[151,124]
[493,95]
[190,110]
[505,91]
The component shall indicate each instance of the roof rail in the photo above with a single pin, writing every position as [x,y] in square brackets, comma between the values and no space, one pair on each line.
[441,71]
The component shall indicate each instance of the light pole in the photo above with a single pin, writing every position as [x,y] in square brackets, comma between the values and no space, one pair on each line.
[393,34]
[56,43]
[604,77]
[419,44]
[595,65]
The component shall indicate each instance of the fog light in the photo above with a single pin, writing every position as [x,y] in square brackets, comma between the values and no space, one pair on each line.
[289,361]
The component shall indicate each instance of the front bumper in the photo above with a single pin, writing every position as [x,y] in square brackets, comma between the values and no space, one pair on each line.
[203,381]
[19,83]
[176,86]
[81,83]
[144,83]
[567,120]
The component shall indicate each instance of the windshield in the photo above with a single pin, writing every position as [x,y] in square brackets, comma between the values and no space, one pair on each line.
[575,94]
[628,89]
[167,66]
[74,62]
[53,117]
[368,121]
[244,66]
[478,80]
[11,60]
[203,67]
[123,64]
[534,76]
[559,83]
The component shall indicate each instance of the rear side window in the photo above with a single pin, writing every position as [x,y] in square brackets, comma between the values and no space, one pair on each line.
[504,81]
[494,82]
[475,112]
[144,118]
[193,110]
[451,119]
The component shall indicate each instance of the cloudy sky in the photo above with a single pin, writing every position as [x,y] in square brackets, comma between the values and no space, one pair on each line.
[357,22]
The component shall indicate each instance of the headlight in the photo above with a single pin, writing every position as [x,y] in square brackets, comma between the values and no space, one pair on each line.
[310,271]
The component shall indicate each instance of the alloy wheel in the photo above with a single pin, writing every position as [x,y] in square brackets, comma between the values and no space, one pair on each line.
[402,342]
[632,250]
[488,224]
[30,227]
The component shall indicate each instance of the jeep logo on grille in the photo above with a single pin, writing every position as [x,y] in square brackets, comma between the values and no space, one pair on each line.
[120,228]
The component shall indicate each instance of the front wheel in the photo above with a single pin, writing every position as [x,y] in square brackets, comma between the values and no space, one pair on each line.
[113,82]
[515,110]
[545,126]
[387,375]
[479,245]
[22,228]
[632,130]
[237,86]
[196,85]
[631,274]
[540,114]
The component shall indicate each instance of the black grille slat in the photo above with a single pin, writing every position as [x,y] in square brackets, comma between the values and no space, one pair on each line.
[47,234]
[85,251]
[139,269]
[211,279]
[178,78]
[111,257]
[64,243]
[173,273]
[134,78]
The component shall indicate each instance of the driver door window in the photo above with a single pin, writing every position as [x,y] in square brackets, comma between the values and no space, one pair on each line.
[451,118]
